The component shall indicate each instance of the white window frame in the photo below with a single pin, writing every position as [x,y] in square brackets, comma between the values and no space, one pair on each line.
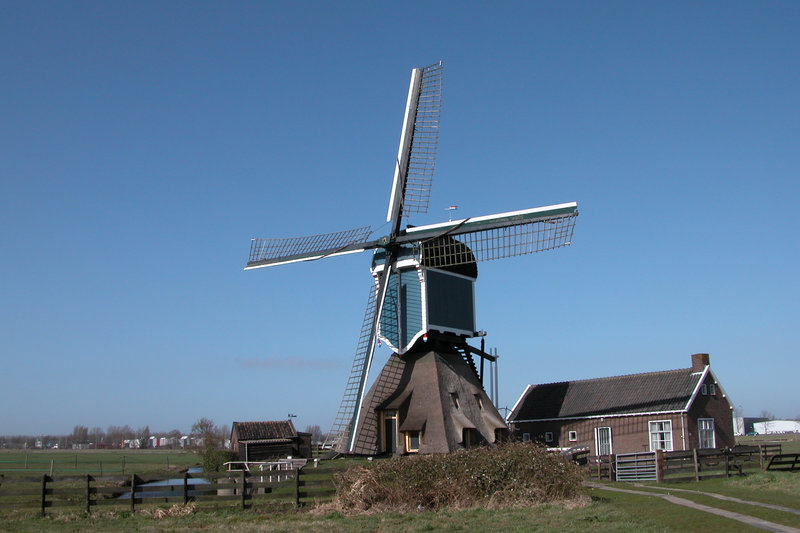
[704,389]
[548,436]
[664,442]
[712,389]
[700,433]
[526,437]
[573,436]
[597,441]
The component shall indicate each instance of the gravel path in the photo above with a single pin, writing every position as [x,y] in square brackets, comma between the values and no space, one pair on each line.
[745,519]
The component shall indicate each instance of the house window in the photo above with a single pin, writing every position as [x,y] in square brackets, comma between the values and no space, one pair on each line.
[661,435]
[704,389]
[602,441]
[412,441]
[548,436]
[712,389]
[705,431]
[479,400]
[573,436]
[526,437]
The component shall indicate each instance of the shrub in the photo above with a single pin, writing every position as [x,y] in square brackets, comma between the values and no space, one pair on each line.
[213,458]
[506,475]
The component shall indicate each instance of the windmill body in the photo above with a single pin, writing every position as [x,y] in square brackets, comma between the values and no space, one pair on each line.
[428,397]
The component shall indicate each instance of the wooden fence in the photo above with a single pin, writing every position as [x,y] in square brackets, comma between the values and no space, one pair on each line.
[84,493]
[697,464]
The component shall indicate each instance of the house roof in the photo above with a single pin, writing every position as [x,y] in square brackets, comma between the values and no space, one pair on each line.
[670,390]
[280,429]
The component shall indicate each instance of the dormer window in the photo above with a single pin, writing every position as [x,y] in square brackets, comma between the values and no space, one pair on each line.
[412,441]
[454,397]
[479,401]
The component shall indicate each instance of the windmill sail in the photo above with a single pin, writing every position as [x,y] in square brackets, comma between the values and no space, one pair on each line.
[341,430]
[416,156]
[345,426]
[269,252]
[494,236]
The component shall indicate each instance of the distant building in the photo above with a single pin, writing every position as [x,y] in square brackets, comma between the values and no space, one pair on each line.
[743,425]
[670,410]
[774,427]
[263,441]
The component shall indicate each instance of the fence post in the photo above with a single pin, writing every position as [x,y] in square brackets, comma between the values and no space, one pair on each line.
[297,488]
[44,492]
[133,493]
[611,459]
[244,487]
[727,465]
[696,465]
[185,488]
[659,466]
[761,453]
[51,466]
[123,465]
[88,494]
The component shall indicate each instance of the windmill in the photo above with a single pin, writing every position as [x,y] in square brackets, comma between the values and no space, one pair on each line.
[421,301]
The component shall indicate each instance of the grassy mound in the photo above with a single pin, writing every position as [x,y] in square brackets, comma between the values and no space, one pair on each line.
[508,475]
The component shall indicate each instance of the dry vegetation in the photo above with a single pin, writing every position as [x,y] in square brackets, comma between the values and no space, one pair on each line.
[509,475]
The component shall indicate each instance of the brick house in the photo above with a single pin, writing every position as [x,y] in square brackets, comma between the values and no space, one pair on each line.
[261,441]
[670,410]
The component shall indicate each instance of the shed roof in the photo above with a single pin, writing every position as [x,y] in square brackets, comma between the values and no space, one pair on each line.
[670,390]
[280,429]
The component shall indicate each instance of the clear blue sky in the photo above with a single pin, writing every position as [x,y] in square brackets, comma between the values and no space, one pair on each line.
[143,144]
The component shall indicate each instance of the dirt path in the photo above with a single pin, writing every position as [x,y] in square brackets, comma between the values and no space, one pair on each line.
[745,519]
[726,498]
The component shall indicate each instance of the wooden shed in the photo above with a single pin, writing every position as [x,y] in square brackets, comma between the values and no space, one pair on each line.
[263,441]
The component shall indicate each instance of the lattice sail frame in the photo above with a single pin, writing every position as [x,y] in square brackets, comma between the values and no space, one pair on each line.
[425,139]
[265,251]
[497,243]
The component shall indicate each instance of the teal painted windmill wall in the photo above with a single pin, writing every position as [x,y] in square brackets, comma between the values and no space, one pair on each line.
[421,298]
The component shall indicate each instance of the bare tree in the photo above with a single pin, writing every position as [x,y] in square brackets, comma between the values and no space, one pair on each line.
[204,427]
[316,433]
[98,435]
[80,435]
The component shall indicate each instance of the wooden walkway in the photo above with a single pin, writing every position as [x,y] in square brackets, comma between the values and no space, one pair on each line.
[745,519]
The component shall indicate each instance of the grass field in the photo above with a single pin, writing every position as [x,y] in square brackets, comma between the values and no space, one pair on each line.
[604,510]
[790,443]
[17,463]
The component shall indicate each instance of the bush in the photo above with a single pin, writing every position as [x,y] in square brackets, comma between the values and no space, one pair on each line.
[501,476]
[213,458]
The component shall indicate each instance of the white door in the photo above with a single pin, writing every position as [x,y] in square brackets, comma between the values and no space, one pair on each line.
[602,441]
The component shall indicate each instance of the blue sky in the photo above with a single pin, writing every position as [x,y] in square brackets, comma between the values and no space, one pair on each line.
[142,146]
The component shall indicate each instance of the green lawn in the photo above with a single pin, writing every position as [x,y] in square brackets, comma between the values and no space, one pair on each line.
[27,463]
[603,511]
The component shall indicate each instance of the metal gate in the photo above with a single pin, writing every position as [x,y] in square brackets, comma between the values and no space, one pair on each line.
[640,466]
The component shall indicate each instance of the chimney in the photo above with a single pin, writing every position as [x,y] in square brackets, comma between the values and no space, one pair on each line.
[699,362]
